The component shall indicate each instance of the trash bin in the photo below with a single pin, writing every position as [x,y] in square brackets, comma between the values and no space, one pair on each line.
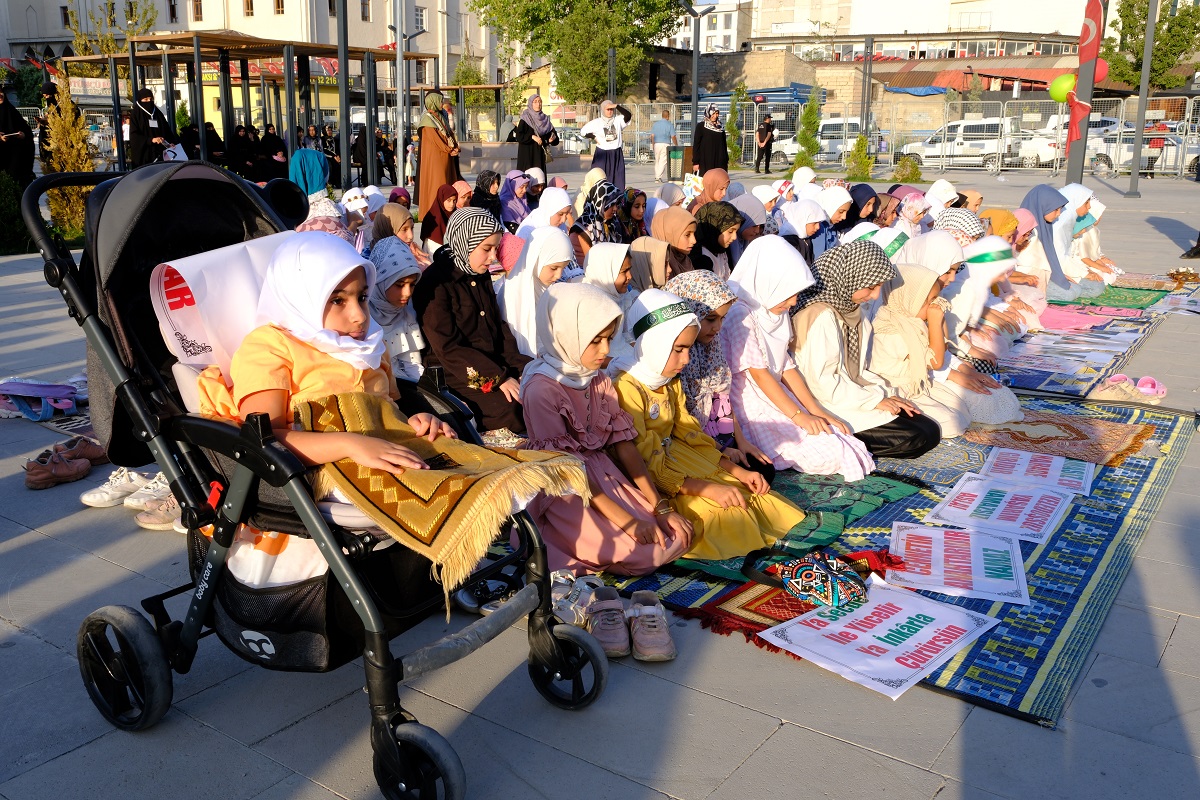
[675,163]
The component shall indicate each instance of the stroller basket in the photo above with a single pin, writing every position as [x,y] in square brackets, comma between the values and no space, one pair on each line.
[226,476]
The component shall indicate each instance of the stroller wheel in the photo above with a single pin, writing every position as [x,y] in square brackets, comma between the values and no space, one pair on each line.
[583,672]
[124,667]
[430,769]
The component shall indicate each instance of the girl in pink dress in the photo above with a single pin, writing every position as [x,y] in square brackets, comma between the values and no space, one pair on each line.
[571,406]
[771,401]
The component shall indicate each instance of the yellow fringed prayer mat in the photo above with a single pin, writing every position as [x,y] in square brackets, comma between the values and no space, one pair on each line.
[451,512]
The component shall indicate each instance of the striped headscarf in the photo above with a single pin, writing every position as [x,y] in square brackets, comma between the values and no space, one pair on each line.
[840,272]
[467,229]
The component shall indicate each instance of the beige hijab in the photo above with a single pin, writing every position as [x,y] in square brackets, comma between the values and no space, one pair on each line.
[649,257]
[670,225]
[898,318]
[593,176]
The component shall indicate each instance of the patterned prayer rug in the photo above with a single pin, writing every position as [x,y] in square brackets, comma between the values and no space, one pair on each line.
[1121,298]
[1158,283]
[1099,441]
[1027,664]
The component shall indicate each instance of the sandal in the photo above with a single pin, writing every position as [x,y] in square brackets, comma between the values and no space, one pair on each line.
[572,607]
[1150,386]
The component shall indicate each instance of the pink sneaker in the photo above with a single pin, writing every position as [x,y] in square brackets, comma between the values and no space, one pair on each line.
[606,621]
[649,628]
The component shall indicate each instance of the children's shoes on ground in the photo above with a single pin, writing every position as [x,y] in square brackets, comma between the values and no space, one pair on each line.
[50,469]
[120,484]
[606,622]
[649,628]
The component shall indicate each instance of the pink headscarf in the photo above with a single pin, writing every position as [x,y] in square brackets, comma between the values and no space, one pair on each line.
[1025,221]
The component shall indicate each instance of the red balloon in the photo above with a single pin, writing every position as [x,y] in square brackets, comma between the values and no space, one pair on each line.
[1101,70]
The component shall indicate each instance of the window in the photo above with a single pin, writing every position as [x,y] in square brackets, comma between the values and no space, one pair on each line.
[333,8]
[129,9]
[65,11]
[172,11]
[728,21]
[419,18]
[198,10]
[248,8]
[420,73]
[687,44]
[366,10]
[712,22]
[680,79]
[216,104]
[710,43]
[110,11]
[279,6]
[727,42]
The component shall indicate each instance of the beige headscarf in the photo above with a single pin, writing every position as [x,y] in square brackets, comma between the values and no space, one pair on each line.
[569,315]
[649,257]
[593,176]
[670,225]
[898,317]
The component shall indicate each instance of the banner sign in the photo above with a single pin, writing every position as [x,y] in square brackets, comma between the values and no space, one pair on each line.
[981,503]
[959,563]
[887,643]
[1032,469]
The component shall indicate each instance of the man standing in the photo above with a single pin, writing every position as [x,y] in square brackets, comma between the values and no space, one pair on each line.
[663,135]
[766,137]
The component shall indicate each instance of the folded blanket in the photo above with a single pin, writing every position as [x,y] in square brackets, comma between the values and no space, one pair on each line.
[452,512]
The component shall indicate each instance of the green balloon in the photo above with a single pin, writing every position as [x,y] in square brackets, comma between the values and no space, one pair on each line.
[1060,86]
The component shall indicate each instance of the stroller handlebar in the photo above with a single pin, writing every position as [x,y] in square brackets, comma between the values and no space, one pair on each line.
[31,212]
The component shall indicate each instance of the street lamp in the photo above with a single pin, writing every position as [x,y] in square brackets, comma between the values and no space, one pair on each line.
[696,14]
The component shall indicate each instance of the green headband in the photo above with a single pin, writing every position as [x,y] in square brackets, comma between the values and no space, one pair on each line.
[659,316]
[995,255]
[896,244]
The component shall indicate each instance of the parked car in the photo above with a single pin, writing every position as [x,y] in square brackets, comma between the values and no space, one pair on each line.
[989,142]
[1115,152]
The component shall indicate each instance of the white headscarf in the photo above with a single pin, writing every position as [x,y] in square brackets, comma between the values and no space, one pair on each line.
[943,191]
[764,193]
[832,199]
[892,240]
[552,201]
[986,261]
[569,316]
[1064,227]
[770,272]
[600,269]
[795,217]
[862,230]
[653,206]
[658,317]
[936,251]
[808,191]
[303,273]
[803,175]
[520,290]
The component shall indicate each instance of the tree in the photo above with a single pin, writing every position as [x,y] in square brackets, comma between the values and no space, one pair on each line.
[806,136]
[29,81]
[468,73]
[182,117]
[68,153]
[575,36]
[975,89]
[1176,38]
[733,123]
[859,162]
[136,18]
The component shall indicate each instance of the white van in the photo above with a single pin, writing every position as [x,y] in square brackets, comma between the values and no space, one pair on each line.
[988,142]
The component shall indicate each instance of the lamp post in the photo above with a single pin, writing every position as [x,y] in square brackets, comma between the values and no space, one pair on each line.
[695,14]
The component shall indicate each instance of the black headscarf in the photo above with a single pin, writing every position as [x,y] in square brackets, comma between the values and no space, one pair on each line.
[483,197]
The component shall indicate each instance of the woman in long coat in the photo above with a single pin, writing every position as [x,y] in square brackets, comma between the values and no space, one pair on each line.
[535,132]
[436,156]
[710,149]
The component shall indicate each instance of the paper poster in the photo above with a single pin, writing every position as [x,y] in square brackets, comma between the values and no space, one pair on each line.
[959,563]
[887,643]
[1040,469]
[980,503]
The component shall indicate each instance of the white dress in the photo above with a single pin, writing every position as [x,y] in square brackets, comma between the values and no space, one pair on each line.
[820,361]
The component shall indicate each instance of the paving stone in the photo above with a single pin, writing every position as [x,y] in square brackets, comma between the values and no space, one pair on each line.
[297,787]
[1142,702]
[835,769]
[1013,758]
[26,659]
[179,757]
[498,762]
[1163,586]
[1135,634]
[1183,649]
[957,790]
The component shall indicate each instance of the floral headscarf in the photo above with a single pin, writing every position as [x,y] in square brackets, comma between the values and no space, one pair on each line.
[602,197]
[708,372]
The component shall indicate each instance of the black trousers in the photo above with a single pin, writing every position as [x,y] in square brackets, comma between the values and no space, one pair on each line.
[763,153]
[903,437]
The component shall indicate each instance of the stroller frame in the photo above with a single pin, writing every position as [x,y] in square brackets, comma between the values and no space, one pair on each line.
[126,662]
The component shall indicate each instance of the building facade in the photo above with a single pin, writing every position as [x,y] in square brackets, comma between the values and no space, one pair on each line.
[725,30]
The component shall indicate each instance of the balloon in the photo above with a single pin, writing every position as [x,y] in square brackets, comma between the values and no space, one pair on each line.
[1101,69]
[1060,86]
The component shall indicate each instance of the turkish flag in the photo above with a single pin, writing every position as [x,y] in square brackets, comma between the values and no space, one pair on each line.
[1093,32]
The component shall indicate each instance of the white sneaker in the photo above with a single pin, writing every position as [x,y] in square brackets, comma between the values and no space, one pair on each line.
[156,490]
[162,516]
[120,485]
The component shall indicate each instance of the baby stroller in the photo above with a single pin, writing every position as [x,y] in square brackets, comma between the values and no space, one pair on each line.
[224,475]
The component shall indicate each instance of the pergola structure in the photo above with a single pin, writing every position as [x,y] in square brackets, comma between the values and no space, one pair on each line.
[194,49]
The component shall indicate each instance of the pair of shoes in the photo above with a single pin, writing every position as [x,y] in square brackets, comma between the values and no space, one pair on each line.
[120,485]
[502,437]
[163,515]
[83,447]
[152,493]
[648,634]
[756,170]
[1122,389]
[571,599]
[474,597]
[1193,253]
[51,469]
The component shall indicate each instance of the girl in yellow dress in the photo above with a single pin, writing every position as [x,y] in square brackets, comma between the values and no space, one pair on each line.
[731,508]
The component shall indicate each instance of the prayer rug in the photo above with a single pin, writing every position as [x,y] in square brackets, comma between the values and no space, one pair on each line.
[1121,298]
[1154,282]
[1027,664]
[1086,439]
[1103,311]
[75,425]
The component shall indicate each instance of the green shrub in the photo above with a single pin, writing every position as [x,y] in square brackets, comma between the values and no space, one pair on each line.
[859,163]
[806,136]
[907,171]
